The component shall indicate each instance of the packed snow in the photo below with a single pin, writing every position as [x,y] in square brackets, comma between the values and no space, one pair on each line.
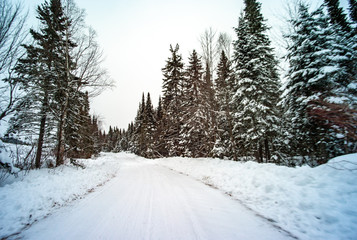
[147,201]
[144,199]
[310,203]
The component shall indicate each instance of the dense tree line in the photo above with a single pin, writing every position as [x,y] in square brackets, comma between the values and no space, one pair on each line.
[246,113]
[219,103]
[55,76]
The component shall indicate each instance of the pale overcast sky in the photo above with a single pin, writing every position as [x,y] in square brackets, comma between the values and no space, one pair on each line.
[135,36]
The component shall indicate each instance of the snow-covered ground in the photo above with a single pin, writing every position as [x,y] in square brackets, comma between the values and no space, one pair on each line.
[145,200]
[311,203]
[35,195]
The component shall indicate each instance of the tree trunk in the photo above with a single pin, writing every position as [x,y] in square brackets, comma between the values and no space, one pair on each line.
[60,147]
[60,135]
[260,153]
[267,150]
[42,132]
[40,140]
[64,107]
[231,137]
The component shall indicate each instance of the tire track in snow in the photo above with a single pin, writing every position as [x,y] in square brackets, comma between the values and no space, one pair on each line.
[147,201]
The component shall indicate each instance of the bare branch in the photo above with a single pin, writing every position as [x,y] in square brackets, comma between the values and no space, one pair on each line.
[224,43]
[87,54]
[209,53]
[12,35]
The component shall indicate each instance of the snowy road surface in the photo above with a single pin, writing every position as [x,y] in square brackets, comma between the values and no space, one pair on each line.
[147,201]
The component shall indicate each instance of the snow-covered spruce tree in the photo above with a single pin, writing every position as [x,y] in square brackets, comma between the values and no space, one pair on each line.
[225,143]
[115,139]
[210,109]
[337,16]
[159,143]
[95,135]
[123,143]
[172,101]
[54,72]
[150,123]
[140,129]
[256,91]
[120,135]
[81,70]
[78,134]
[195,129]
[111,139]
[353,10]
[40,69]
[345,46]
[209,53]
[317,74]
[106,147]
[131,137]
[144,129]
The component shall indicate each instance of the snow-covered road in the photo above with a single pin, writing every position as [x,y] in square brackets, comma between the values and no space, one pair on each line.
[147,201]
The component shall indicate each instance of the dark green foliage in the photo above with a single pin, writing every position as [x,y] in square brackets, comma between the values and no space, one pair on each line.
[41,70]
[145,129]
[172,101]
[150,125]
[256,90]
[240,117]
[55,106]
[140,128]
[77,131]
[159,141]
[353,10]
[225,146]
[337,16]
[195,126]
[316,74]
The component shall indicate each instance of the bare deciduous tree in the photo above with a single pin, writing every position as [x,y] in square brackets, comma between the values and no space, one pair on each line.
[209,52]
[87,54]
[85,74]
[12,35]
[224,43]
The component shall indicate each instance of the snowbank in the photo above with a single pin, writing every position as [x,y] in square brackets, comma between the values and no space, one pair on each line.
[39,192]
[5,159]
[311,203]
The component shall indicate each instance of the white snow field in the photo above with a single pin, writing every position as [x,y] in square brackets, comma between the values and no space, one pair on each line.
[146,200]
[29,198]
[310,203]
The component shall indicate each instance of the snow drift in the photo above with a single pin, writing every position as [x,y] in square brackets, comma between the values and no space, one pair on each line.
[37,194]
[311,203]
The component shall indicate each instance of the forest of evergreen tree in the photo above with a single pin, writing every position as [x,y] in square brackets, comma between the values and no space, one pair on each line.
[229,105]
[240,110]
[55,75]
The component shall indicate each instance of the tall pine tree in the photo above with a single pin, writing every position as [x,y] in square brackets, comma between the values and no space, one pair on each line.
[353,10]
[195,129]
[172,101]
[225,143]
[140,129]
[256,91]
[318,74]
[159,146]
[337,16]
[150,124]
[42,68]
